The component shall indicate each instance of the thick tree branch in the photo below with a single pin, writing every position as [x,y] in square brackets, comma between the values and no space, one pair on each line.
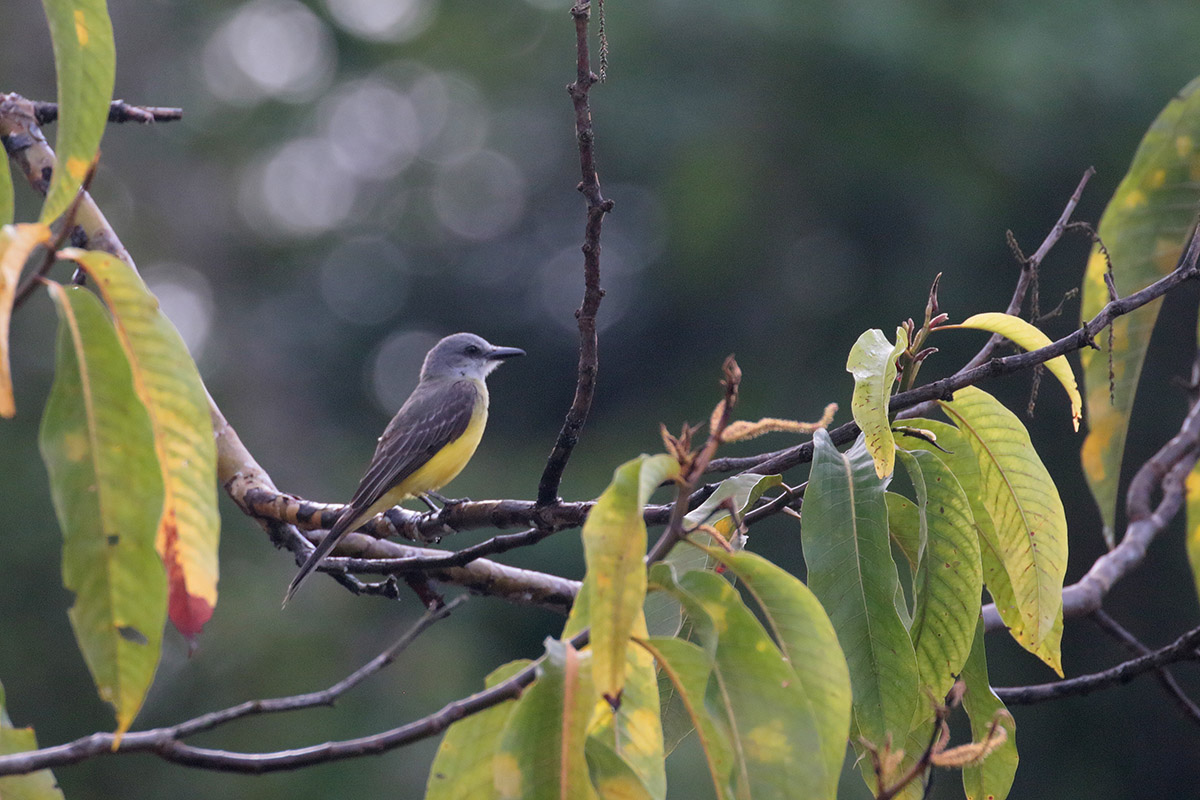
[597,207]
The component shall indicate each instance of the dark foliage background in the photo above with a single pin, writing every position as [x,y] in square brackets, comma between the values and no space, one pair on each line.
[354,178]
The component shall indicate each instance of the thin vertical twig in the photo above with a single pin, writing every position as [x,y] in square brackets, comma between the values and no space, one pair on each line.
[597,207]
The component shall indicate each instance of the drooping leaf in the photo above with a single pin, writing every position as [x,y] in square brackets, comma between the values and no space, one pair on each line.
[808,641]
[1144,229]
[1193,523]
[16,243]
[663,614]
[6,193]
[991,779]
[904,526]
[612,776]
[1028,517]
[463,764]
[851,571]
[688,667]
[949,578]
[770,720]
[168,383]
[107,489]
[872,362]
[38,785]
[541,750]
[1028,337]
[614,543]
[85,61]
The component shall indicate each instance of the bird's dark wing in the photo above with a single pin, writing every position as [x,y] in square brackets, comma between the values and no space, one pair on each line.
[434,415]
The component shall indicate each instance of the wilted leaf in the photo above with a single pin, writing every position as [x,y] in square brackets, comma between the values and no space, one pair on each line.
[1026,336]
[1144,228]
[169,385]
[851,571]
[872,362]
[85,60]
[16,243]
[107,489]
[1028,517]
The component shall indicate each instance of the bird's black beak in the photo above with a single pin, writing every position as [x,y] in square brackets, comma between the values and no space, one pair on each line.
[501,353]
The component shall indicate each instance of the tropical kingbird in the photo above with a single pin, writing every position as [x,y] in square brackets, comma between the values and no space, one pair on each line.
[428,442]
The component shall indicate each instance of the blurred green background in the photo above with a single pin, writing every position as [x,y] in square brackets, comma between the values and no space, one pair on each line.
[355,178]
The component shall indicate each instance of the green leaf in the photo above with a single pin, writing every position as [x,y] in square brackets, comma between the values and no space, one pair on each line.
[85,60]
[1193,523]
[6,192]
[612,776]
[872,362]
[770,720]
[107,489]
[38,785]
[1028,517]
[1144,229]
[463,764]
[541,752]
[904,525]
[851,571]
[168,383]
[949,578]
[16,244]
[614,544]
[991,779]
[1028,337]
[663,614]
[804,633]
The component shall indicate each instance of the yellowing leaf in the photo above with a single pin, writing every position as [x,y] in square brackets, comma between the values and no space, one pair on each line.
[872,362]
[85,62]
[6,193]
[1144,228]
[38,785]
[614,542]
[166,380]
[1028,517]
[1026,336]
[98,446]
[16,243]
[991,779]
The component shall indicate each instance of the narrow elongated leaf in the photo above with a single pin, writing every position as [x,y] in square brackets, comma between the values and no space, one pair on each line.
[992,779]
[808,641]
[107,489]
[851,571]
[1193,523]
[614,543]
[687,666]
[6,192]
[16,243]
[1028,516]
[1144,229]
[612,776]
[663,613]
[38,785]
[771,721]
[904,525]
[463,764]
[1028,337]
[949,578]
[872,362]
[85,61]
[166,380]
[541,752]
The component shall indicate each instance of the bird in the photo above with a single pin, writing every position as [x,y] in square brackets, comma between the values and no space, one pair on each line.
[428,442]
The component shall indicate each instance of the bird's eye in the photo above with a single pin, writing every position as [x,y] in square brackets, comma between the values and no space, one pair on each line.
[472,350]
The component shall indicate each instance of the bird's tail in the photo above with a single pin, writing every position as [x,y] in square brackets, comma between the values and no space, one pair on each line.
[339,530]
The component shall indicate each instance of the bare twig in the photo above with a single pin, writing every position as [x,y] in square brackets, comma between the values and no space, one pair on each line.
[1182,649]
[597,207]
[167,742]
[118,111]
[1131,642]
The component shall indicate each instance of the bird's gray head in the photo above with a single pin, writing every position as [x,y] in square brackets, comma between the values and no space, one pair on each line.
[465,355]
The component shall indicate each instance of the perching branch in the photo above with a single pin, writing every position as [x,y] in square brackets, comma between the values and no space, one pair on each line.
[597,207]
[118,111]
[1165,678]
